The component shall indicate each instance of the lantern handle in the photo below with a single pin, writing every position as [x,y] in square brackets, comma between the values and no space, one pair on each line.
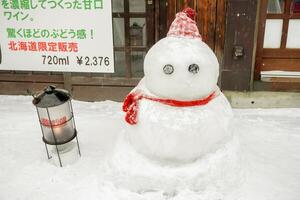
[49,89]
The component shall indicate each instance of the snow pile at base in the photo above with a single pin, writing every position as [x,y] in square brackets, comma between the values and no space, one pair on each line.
[262,162]
[213,176]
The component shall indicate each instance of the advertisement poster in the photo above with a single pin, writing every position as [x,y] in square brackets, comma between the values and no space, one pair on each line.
[56,35]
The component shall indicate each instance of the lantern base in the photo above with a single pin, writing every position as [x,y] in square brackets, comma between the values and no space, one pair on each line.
[67,153]
[62,142]
[60,147]
[64,148]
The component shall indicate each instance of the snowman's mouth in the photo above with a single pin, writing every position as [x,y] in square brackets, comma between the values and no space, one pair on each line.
[130,105]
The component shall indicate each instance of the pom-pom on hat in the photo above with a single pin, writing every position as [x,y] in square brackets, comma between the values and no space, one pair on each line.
[184,25]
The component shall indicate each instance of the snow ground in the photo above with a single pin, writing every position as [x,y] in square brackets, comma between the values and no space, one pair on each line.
[269,146]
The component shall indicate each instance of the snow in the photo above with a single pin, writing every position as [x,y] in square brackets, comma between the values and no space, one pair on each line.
[262,162]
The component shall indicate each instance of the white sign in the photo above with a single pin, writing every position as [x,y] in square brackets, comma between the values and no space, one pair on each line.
[56,35]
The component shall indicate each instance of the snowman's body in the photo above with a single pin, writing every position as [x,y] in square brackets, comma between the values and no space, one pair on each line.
[180,134]
[182,69]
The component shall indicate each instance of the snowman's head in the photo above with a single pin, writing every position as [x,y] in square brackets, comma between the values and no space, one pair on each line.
[181,66]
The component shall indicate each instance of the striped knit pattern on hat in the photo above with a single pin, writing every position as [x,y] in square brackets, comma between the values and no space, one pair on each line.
[184,26]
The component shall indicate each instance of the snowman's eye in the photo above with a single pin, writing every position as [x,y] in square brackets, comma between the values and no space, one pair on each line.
[194,68]
[168,69]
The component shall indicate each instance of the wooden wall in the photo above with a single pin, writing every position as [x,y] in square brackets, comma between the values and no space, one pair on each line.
[236,71]
[86,87]
[216,20]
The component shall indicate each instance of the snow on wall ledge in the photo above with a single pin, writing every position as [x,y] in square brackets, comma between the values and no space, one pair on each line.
[263,99]
[269,145]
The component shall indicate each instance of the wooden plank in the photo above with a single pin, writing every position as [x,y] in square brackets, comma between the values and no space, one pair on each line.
[133,15]
[253,62]
[22,88]
[119,48]
[103,81]
[86,93]
[220,30]
[96,93]
[295,16]
[179,5]
[237,80]
[75,79]
[133,48]
[68,81]
[206,21]
[285,25]
[287,86]
[260,37]
[182,4]
[277,86]
[258,62]
[163,18]
[282,80]
[107,75]
[189,3]
[240,31]
[280,64]
[150,24]
[274,16]
[38,78]
[127,40]
[156,20]
[281,53]
[171,12]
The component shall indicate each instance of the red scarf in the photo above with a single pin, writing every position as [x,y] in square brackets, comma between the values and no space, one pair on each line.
[130,104]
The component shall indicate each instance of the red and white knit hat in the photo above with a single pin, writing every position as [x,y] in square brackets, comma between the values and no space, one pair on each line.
[184,25]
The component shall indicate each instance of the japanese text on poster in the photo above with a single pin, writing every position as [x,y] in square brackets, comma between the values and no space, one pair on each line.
[56,35]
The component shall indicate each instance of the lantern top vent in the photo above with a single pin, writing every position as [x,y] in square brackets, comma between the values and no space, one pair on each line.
[51,97]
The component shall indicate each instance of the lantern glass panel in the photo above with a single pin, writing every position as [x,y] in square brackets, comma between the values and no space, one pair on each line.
[61,118]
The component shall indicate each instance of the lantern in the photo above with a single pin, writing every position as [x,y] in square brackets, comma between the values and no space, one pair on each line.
[56,119]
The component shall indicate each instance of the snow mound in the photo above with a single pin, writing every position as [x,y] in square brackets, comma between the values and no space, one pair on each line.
[267,149]
[213,176]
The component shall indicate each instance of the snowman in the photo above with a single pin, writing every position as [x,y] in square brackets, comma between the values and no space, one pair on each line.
[177,112]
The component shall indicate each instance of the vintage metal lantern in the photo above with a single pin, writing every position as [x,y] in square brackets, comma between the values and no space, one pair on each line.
[56,118]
